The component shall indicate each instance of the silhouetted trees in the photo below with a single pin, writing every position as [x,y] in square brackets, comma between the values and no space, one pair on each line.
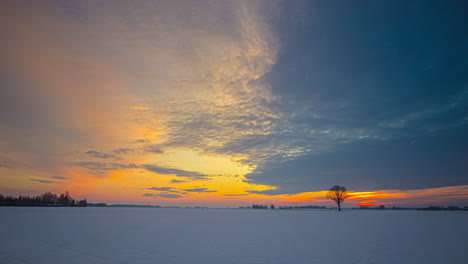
[273,207]
[442,208]
[259,206]
[82,203]
[45,199]
[338,194]
[301,207]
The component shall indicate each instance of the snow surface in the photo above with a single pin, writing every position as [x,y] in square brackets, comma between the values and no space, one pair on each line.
[160,235]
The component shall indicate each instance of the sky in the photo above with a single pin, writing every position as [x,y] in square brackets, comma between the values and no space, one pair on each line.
[230,103]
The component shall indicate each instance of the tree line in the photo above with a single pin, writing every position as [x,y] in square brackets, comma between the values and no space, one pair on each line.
[261,206]
[336,193]
[442,208]
[302,207]
[45,199]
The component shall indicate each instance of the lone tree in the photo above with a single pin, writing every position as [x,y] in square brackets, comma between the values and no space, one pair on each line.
[338,194]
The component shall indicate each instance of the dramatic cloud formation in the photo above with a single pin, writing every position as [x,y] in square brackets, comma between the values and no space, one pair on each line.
[233,101]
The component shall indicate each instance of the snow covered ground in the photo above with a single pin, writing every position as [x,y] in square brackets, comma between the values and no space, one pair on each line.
[152,235]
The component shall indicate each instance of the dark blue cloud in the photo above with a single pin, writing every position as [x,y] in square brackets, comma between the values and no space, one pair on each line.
[435,160]
[359,81]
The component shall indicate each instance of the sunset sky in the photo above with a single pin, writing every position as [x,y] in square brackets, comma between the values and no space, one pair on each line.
[230,103]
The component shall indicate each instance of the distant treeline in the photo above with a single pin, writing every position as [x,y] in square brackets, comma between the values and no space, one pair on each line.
[303,207]
[382,207]
[122,205]
[272,207]
[430,208]
[442,208]
[46,199]
[260,206]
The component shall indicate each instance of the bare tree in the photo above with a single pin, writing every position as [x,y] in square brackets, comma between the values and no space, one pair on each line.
[338,194]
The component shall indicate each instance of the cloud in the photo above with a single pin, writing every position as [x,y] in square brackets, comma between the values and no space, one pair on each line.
[215,84]
[124,151]
[199,190]
[172,190]
[153,149]
[336,172]
[169,195]
[5,164]
[198,94]
[370,164]
[59,177]
[234,195]
[43,181]
[221,92]
[163,195]
[160,188]
[177,181]
[68,104]
[11,162]
[104,166]
[268,192]
[101,155]
[176,172]
[450,195]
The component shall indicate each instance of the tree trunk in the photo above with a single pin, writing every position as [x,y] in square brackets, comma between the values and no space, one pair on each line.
[339,207]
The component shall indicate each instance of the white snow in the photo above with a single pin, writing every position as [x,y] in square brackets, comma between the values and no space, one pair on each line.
[153,235]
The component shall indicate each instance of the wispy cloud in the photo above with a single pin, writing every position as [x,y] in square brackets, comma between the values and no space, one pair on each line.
[235,195]
[153,149]
[176,172]
[199,190]
[104,166]
[101,155]
[214,86]
[43,181]
[123,151]
[268,192]
[177,181]
[59,177]
[451,195]
[161,188]
[5,164]
[163,195]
